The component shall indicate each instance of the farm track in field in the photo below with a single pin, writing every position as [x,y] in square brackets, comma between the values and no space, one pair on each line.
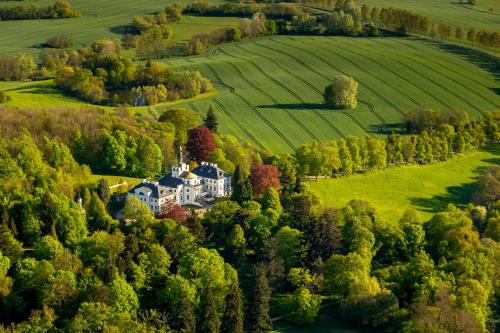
[439,84]
[372,108]
[254,86]
[252,107]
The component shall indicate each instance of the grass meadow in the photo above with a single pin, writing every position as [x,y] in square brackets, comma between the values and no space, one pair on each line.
[427,188]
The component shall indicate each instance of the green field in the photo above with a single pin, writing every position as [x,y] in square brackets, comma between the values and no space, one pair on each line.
[450,11]
[428,189]
[100,19]
[271,88]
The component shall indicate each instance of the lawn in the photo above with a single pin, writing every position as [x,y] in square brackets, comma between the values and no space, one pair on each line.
[115,180]
[428,188]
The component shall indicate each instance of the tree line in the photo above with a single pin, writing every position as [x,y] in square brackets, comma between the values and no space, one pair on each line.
[441,134]
[60,9]
[404,21]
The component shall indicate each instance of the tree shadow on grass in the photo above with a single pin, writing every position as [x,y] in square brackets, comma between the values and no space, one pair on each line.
[458,195]
[123,29]
[38,89]
[488,62]
[387,128]
[298,106]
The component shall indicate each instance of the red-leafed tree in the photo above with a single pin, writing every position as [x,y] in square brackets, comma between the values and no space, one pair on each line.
[200,144]
[171,210]
[264,176]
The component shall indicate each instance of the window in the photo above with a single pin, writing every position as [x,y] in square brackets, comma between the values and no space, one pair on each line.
[188,197]
[187,190]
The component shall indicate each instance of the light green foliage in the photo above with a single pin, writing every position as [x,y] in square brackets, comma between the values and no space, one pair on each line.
[183,120]
[450,234]
[205,268]
[271,199]
[4,264]
[290,246]
[149,157]
[97,215]
[341,270]
[303,307]
[300,277]
[123,296]
[342,92]
[101,251]
[47,248]
[136,209]
[156,263]
[99,317]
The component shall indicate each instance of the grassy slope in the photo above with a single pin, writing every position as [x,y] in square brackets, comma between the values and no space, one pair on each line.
[270,90]
[426,188]
[450,11]
[100,19]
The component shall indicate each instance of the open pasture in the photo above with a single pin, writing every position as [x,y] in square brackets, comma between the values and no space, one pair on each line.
[428,189]
[270,89]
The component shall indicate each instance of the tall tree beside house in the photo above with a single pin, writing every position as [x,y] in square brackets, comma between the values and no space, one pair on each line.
[242,188]
[211,121]
[264,176]
[200,144]
[258,314]
[103,190]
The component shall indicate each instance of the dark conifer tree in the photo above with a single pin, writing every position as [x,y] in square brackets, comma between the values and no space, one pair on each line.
[187,320]
[232,322]
[208,318]
[242,188]
[211,121]
[258,314]
[103,191]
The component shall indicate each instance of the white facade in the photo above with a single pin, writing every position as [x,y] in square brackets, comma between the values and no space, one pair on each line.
[184,186]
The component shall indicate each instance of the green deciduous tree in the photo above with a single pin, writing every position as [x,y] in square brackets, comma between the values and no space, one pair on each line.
[342,92]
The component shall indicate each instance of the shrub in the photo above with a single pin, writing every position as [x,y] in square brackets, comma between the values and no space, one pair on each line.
[59,42]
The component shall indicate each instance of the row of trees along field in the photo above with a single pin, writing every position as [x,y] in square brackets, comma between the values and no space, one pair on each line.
[441,134]
[60,9]
[406,21]
[269,249]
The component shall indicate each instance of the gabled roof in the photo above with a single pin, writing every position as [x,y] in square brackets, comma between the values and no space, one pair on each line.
[156,191]
[210,171]
[170,181]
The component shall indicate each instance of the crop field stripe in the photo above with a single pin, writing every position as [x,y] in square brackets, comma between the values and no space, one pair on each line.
[327,121]
[229,115]
[438,55]
[354,65]
[269,96]
[442,73]
[372,109]
[439,64]
[396,74]
[257,112]
[448,90]
[222,107]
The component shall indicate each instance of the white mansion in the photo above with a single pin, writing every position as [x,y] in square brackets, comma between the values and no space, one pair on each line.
[184,187]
